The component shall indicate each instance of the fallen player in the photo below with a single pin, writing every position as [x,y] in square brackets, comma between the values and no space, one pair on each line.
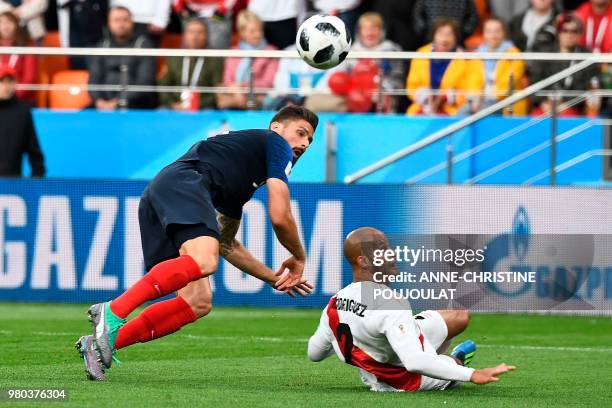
[394,350]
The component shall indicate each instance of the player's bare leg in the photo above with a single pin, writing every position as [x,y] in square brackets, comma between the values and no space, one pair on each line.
[199,257]
[456,322]
[198,296]
[204,251]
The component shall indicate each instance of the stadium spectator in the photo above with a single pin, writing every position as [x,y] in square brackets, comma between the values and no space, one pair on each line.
[17,132]
[150,17]
[570,30]
[218,16]
[371,37]
[30,14]
[495,79]
[311,84]
[236,71]
[427,12]
[81,23]
[506,10]
[192,72]
[474,40]
[396,14]
[122,70]
[347,10]
[534,30]
[596,16]
[280,18]
[25,66]
[444,76]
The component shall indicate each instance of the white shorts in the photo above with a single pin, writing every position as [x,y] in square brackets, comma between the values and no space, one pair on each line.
[433,326]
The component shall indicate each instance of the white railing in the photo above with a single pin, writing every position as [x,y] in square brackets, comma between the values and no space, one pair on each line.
[586,60]
[401,55]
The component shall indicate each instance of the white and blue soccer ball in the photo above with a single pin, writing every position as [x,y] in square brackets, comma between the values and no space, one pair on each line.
[323,41]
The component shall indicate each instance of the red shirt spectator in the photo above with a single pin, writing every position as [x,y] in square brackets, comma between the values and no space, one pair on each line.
[597,18]
[204,8]
[25,66]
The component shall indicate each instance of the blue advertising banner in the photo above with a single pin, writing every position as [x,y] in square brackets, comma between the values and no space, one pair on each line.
[79,241]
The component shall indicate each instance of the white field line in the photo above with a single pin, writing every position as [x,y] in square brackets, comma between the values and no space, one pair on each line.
[246,338]
[492,346]
[549,348]
[43,333]
[273,339]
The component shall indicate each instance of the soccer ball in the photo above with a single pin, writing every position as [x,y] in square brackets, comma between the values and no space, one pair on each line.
[323,41]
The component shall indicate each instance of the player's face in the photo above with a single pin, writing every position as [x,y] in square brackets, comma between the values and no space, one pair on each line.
[388,267]
[298,133]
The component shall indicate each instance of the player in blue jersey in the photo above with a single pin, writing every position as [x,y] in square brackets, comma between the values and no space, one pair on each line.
[189,215]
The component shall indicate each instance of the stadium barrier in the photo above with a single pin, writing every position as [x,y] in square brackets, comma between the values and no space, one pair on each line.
[78,241]
[72,95]
[137,144]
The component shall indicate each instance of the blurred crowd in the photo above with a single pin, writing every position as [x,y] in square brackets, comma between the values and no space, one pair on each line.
[420,86]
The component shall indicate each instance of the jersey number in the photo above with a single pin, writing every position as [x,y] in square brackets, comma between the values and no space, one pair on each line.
[345,340]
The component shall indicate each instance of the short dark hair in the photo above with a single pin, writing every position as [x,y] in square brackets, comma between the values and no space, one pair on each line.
[447,22]
[566,18]
[293,112]
[121,8]
[197,20]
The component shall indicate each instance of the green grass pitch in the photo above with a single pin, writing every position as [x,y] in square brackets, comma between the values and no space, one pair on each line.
[257,357]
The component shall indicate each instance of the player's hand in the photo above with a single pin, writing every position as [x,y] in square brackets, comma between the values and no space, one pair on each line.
[293,276]
[487,375]
[304,288]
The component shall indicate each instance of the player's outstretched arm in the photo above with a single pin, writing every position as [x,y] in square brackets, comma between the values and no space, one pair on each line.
[279,208]
[242,259]
[236,254]
[403,338]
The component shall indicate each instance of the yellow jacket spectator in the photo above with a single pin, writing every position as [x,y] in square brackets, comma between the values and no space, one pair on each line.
[494,80]
[437,86]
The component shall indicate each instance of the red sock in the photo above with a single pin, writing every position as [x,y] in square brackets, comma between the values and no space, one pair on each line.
[164,278]
[157,320]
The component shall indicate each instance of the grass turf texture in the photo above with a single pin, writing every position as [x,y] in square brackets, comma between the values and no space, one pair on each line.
[257,357]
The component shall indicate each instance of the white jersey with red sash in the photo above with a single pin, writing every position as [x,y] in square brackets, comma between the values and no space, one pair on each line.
[381,338]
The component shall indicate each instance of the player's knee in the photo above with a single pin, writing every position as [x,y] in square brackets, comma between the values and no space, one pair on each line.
[204,251]
[462,319]
[206,263]
[201,307]
[209,266]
